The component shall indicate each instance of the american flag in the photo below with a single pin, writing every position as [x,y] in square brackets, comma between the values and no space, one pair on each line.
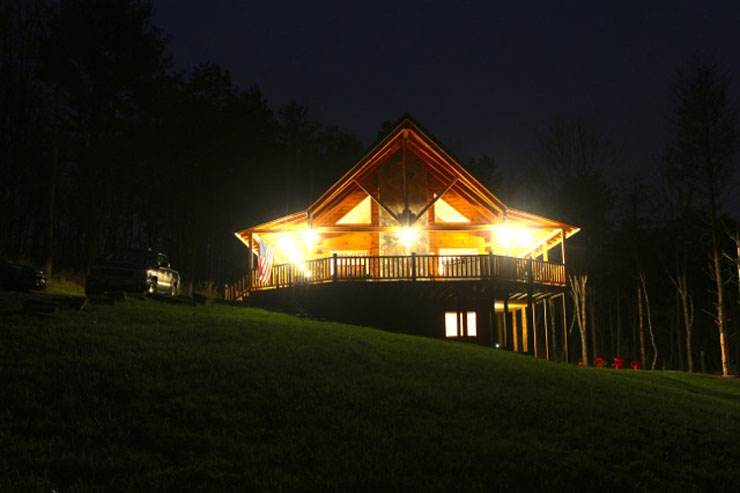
[264,263]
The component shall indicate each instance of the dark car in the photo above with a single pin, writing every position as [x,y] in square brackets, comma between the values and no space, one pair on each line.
[21,277]
[133,270]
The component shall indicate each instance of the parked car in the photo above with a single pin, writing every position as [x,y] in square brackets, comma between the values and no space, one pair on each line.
[133,270]
[21,277]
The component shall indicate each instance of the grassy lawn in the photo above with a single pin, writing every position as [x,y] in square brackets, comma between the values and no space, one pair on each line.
[150,396]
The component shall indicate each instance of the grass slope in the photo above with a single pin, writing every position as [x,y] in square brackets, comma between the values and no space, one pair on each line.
[144,395]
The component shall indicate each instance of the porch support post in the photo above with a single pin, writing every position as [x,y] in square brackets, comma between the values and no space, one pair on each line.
[530,313]
[546,328]
[532,309]
[562,244]
[506,321]
[565,328]
[249,264]
[525,330]
[515,330]
[499,338]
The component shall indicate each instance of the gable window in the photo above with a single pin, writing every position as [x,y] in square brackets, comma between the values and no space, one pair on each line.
[360,214]
[445,213]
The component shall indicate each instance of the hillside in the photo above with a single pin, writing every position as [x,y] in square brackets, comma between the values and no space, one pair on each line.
[146,395]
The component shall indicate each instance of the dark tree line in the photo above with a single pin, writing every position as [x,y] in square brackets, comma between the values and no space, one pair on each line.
[104,145]
[658,255]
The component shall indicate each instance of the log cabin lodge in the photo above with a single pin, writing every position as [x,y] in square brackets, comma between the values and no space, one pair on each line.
[408,240]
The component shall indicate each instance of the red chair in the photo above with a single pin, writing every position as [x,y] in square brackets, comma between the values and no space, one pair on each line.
[600,362]
[618,363]
[635,365]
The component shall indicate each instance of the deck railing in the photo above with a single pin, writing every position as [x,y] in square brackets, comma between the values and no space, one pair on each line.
[401,268]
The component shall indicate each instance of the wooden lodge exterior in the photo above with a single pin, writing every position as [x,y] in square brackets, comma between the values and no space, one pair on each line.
[409,240]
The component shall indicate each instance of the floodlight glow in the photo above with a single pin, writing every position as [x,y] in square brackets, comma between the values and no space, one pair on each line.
[310,237]
[407,235]
[288,246]
[523,236]
[508,235]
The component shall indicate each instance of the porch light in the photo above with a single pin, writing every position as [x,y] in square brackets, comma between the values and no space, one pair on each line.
[288,246]
[519,236]
[309,237]
[407,235]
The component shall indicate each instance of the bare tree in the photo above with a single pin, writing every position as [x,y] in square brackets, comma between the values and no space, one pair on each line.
[649,318]
[578,288]
[641,318]
[702,148]
[687,304]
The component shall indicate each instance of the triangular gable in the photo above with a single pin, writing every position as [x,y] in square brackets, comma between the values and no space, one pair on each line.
[407,132]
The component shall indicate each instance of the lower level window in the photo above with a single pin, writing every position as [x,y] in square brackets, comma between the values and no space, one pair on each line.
[472,320]
[461,324]
[451,324]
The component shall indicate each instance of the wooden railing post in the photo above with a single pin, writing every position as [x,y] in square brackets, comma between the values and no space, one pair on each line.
[490,265]
[334,263]
[413,266]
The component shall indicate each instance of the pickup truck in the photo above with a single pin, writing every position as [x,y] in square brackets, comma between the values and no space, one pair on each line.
[133,270]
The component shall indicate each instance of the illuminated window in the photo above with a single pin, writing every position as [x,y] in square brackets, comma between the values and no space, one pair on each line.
[472,327]
[445,213]
[461,324]
[359,215]
[450,324]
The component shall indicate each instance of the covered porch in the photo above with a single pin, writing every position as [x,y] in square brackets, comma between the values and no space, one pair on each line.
[413,267]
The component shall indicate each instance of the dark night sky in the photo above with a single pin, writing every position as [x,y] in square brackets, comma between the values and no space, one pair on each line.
[481,76]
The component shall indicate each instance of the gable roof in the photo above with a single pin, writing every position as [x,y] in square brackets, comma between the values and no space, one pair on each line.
[458,182]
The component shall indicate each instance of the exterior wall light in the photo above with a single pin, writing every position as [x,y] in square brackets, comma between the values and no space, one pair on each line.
[310,237]
[407,235]
[509,235]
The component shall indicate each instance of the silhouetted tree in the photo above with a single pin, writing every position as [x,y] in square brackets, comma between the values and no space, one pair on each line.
[702,149]
[102,60]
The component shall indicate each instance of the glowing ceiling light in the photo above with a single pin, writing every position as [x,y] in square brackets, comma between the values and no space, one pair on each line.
[523,237]
[504,233]
[310,237]
[407,235]
[289,249]
[286,243]
[508,234]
